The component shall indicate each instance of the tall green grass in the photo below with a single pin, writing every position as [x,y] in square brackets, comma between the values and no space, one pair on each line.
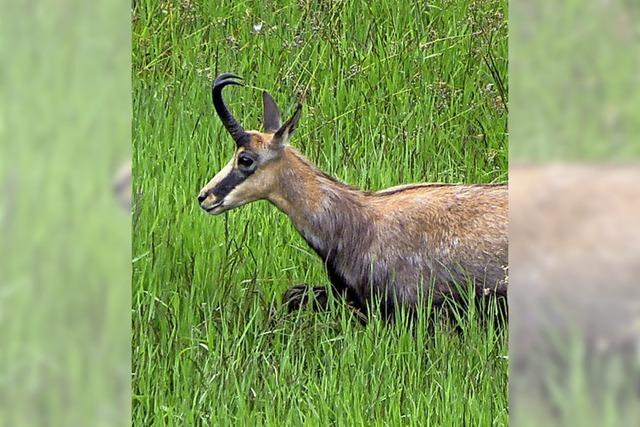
[395,92]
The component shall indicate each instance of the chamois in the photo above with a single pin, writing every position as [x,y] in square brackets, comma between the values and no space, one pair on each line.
[388,246]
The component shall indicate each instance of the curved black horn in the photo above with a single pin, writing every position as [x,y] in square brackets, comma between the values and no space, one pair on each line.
[233,127]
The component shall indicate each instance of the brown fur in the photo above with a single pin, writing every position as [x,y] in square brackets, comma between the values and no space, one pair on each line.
[396,244]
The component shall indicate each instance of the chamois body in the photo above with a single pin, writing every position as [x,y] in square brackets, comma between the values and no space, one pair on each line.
[394,245]
[401,242]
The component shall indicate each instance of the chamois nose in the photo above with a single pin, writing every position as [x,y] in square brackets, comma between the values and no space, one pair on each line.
[201,197]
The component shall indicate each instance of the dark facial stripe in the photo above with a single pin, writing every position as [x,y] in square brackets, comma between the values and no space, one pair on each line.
[228,183]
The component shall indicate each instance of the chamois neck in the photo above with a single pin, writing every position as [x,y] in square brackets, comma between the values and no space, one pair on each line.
[324,210]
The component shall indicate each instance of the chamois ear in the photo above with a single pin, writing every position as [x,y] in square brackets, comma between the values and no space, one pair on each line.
[271,118]
[286,130]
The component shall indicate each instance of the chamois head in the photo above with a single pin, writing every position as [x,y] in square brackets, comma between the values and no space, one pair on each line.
[252,171]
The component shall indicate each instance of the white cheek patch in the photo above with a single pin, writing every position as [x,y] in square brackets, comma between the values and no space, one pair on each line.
[234,188]
[239,194]
[219,176]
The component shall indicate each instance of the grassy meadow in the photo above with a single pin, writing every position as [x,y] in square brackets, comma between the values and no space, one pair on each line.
[395,92]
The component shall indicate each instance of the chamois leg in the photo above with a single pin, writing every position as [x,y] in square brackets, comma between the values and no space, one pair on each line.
[353,302]
[297,297]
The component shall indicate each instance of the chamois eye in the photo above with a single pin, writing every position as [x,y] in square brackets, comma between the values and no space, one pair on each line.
[245,162]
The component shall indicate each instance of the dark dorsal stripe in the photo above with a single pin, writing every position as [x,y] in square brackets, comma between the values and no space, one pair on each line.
[417,186]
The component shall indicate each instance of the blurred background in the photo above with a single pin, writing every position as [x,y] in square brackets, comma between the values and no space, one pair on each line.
[65,257]
[574,202]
